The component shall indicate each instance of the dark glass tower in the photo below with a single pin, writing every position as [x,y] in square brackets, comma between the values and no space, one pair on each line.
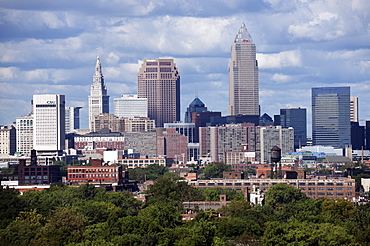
[296,118]
[195,106]
[331,116]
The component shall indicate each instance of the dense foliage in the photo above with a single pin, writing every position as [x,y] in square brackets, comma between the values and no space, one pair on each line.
[86,216]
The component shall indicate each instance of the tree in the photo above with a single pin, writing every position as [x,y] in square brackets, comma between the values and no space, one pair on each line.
[305,233]
[172,190]
[10,205]
[236,209]
[23,230]
[338,209]
[66,225]
[216,170]
[280,194]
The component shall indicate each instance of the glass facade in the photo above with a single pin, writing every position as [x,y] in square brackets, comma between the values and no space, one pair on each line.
[331,116]
[296,118]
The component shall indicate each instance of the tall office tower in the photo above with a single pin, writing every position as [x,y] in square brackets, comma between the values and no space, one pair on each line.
[24,127]
[49,124]
[98,99]
[353,109]
[243,76]
[331,116]
[159,81]
[296,118]
[195,106]
[72,119]
[129,106]
[367,135]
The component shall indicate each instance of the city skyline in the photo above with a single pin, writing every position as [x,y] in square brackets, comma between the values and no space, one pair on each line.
[300,45]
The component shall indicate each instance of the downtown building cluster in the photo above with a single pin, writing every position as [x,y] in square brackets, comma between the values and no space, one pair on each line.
[146,129]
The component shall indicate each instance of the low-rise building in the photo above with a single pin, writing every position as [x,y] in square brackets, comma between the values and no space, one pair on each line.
[143,162]
[335,188]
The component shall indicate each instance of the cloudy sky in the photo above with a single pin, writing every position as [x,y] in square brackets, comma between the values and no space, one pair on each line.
[50,46]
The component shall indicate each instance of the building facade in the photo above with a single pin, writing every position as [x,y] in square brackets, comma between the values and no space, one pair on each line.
[98,99]
[353,111]
[331,116]
[172,145]
[266,137]
[94,140]
[130,106]
[108,121]
[72,119]
[24,127]
[296,118]
[339,188]
[144,143]
[195,106]
[159,82]
[8,140]
[243,75]
[139,124]
[49,124]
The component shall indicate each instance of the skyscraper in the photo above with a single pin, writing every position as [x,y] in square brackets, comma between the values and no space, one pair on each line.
[195,106]
[159,82]
[72,119]
[296,118]
[98,99]
[49,124]
[354,109]
[331,116]
[243,75]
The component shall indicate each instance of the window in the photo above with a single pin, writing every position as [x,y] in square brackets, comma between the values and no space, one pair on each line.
[320,184]
[220,184]
[229,184]
[211,184]
[202,184]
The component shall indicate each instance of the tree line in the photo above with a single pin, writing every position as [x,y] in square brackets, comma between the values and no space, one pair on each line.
[87,216]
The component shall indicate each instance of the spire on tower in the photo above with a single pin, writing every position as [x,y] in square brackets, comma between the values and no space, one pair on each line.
[243,35]
[98,67]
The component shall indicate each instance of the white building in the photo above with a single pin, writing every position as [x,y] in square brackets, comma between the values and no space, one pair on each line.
[130,106]
[49,123]
[7,140]
[24,127]
[72,119]
[269,136]
[98,99]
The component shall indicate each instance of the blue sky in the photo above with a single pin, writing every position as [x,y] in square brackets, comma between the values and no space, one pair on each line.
[49,46]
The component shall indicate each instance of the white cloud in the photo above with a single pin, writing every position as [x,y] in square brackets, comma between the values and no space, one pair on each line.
[280,60]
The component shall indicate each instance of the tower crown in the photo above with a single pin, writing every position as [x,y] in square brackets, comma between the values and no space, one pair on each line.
[243,35]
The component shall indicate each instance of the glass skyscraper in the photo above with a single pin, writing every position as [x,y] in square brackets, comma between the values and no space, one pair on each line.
[243,76]
[331,116]
[296,118]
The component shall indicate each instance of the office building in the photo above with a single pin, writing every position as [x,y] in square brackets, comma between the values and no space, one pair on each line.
[331,116]
[144,143]
[357,136]
[266,137]
[159,82]
[24,128]
[296,118]
[98,99]
[186,129]
[7,140]
[172,145]
[243,75]
[108,121]
[72,119]
[139,124]
[353,109]
[130,106]
[49,124]
[102,139]
[195,106]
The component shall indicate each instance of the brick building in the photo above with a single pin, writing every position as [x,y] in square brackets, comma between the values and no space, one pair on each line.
[335,188]
[97,173]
